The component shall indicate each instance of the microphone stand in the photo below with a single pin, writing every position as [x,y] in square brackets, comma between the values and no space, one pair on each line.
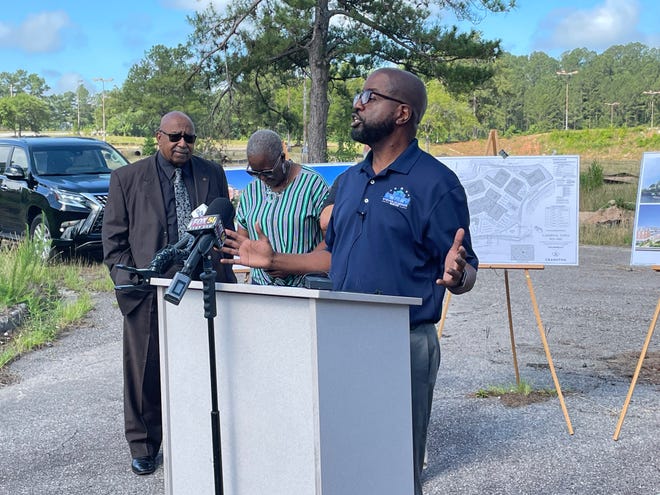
[210,311]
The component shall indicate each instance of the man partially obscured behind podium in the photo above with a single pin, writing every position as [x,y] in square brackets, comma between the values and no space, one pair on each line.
[400,226]
[144,214]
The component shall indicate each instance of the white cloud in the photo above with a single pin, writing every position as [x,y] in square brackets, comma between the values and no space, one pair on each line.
[39,33]
[196,4]
[69,81]
[609,23]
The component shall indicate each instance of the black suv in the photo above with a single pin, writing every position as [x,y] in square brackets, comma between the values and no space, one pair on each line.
[56,188]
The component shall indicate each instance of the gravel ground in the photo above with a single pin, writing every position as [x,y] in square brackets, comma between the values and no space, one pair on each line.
[61,415]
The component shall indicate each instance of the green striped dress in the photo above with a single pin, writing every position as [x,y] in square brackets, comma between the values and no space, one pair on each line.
[290,218]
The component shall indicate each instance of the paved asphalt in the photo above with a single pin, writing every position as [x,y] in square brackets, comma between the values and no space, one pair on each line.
[61,420]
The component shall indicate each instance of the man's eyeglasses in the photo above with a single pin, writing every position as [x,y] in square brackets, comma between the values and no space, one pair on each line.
[175,138]
[266,174]
[365,97]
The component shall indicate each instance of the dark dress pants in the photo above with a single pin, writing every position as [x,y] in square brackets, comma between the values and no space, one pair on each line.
[142,407]
[424,364]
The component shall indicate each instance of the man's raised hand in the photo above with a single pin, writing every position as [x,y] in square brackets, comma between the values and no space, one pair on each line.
[454,262]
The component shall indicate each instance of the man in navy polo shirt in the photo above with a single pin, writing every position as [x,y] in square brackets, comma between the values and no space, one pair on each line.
[400,226]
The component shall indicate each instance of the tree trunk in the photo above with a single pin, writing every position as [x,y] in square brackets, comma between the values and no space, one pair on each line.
[319,70]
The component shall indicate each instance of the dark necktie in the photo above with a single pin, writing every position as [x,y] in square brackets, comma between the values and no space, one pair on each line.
[182,202]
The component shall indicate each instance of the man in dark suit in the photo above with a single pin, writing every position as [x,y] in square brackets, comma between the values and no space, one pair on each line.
[140,219]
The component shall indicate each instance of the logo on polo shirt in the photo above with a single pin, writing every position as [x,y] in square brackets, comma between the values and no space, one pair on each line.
[398,197]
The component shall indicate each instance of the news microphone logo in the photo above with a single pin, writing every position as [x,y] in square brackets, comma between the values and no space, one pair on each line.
[209,232]
[208,223]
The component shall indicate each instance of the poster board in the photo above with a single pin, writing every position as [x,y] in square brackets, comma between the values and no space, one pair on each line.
[646,234]
[523,209]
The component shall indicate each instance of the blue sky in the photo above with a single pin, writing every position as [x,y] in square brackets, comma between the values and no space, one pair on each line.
[70,40]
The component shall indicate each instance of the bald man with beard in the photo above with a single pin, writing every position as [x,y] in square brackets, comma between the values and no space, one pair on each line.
[400,226]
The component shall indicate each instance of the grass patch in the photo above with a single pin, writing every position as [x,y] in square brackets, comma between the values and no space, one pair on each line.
[26,279]
[516,395]
[523,388]
[592,179]
[607,235]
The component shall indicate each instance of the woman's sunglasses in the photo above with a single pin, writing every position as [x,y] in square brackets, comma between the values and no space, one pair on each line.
[266,174]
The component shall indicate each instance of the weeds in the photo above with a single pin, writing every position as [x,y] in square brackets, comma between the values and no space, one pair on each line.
[592,179]
[523,388]
[26,278]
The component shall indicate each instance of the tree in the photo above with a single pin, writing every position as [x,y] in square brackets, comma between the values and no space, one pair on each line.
[333,41]
[156,85]
[446,119]
[24,111]
[63,111]
[22,82]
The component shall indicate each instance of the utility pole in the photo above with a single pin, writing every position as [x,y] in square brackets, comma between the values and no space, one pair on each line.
[568,76]
[103,81]
[652,93]
[612,105]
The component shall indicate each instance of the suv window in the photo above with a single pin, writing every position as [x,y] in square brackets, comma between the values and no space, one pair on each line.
[19,159]
[4,154]
[76,161]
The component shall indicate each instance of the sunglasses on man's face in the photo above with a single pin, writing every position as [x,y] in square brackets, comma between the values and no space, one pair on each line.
[175,138]
[367,95]
[266,174]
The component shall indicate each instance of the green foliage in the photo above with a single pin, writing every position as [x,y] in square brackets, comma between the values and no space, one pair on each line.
[163,81]
[13,83]
[521,388]
[25,278]
[211,150]
[253,50]
[278,69]
[149,147]
[607,235]
[620,194]
[24,112]
[649,142]
[592,179]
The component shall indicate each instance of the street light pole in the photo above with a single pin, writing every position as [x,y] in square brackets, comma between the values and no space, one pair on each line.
[612,105]
[652,93]
[103,81]
[568,74]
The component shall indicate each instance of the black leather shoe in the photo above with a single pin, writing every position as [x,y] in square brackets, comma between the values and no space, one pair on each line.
[143,465]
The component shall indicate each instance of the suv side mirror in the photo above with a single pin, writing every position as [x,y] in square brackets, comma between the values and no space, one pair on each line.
[14,172]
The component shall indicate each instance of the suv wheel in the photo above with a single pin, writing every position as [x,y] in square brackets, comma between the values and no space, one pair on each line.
[40,234]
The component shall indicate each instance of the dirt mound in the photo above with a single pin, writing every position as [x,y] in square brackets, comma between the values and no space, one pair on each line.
[612,215]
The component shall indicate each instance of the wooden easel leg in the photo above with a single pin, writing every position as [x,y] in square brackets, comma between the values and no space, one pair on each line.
[645,347]
[513,338]
[445,307]
[547,352]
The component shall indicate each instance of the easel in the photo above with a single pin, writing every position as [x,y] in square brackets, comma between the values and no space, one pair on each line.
[642,355]
[491,148]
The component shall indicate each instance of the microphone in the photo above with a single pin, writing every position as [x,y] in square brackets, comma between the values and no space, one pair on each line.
[210,232]
[164,259]
[171,255]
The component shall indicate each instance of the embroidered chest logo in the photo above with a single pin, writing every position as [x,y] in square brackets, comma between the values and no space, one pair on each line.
[398,197]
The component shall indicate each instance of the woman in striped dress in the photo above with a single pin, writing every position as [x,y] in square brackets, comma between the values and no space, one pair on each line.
[285,199]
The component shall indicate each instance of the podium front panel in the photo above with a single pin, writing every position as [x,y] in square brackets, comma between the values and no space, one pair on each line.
[313,389]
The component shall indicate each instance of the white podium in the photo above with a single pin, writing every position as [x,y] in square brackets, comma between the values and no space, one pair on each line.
[313,392]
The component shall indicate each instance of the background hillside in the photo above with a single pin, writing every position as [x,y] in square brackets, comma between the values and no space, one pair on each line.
[616,150]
